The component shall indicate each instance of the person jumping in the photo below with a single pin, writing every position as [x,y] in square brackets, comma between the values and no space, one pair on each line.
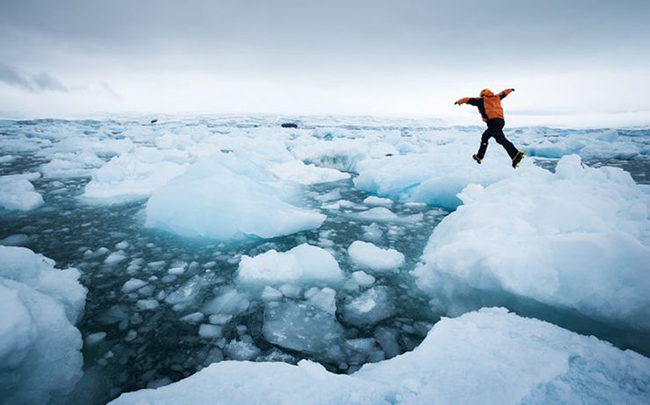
[489,105]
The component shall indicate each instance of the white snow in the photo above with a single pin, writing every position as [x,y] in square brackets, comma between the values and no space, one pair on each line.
[578,239]
[378,201]
[301,173]
[372,257]
[131,176]
[40,348]
[304,263]
[490,356]
[17,193]
[226,197]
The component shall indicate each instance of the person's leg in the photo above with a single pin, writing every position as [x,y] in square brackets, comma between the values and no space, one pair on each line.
[484,143]
[501,139]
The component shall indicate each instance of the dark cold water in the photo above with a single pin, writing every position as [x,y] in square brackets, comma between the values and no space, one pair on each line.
[153,347]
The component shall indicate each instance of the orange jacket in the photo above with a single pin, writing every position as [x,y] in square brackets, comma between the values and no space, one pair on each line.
[489,105]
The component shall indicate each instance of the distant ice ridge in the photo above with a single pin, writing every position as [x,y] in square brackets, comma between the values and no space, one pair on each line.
[40,348]
[226,196]
[17,193]
[512,360]
[577,239]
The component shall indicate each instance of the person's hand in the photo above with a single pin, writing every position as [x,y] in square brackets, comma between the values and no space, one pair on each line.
[512,89]
[456,103]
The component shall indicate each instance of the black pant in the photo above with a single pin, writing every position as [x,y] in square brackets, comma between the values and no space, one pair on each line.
[495,130]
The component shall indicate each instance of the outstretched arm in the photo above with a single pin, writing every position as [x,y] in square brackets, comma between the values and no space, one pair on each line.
[504,93]
[466,100]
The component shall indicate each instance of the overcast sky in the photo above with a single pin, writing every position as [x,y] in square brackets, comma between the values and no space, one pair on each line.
[404,58]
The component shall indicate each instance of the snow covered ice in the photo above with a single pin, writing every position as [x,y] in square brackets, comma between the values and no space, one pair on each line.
[578,238]
[317,262]
[40,357]
[455,364]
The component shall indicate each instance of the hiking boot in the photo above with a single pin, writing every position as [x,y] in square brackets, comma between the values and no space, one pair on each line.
[478,159]
[517,159]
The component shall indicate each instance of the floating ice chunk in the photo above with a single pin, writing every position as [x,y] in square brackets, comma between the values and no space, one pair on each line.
[378,201]
[302,264]
[194,317]
[176,271]
[368,255]
[147,305]
[301,327]
[290,290]
[188,293]
[115,258]
[7,159]
[220,319]
[207,330]
[363,279]
[131,176]
[238,350]
[325,300]
[372,232]
[229,302]
[372,306]
[18,194]
[40,354]
[301,173]
[271,294]
[132,285]
[95,338]
[122,245]
[378,214]
[387,339]
[71,164]
[330,196]
[226,197]
[15,240]
[575,239]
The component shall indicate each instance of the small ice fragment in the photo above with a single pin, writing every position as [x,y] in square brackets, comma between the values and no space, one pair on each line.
[147,304]
[374,258]
[95,338]
[132,285]
[220,319]
[194,317]
[207,330]
[176,270]
[378,201]
[270,294]
[363,279]
[237,350]
[115,257]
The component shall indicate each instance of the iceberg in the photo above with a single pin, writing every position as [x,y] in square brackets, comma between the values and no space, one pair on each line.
[40,347]
[578,238]
[226,197]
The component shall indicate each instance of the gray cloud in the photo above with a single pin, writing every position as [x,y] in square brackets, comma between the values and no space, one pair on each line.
[33,83]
